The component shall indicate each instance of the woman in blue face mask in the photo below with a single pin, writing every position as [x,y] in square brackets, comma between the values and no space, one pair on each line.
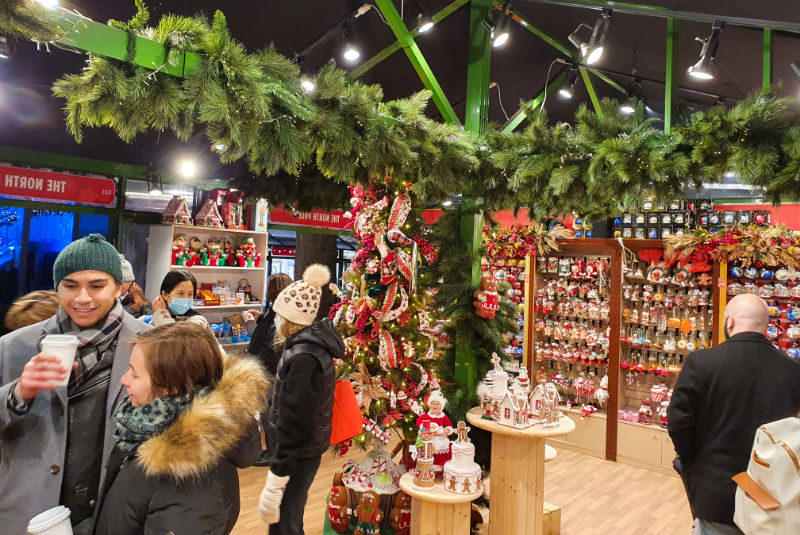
[175,301]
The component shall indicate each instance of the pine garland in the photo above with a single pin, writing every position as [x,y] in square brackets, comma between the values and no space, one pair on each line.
[25,19]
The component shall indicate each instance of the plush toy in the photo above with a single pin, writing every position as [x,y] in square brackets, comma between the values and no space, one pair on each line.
[368,514]
[195,251]
[337,506]
[486,299]
[213,247]
[179,250]
[400,515]
[645,412]
[249,250]
[228,253]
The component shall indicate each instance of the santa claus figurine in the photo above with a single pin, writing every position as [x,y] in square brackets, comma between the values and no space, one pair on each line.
[435,414]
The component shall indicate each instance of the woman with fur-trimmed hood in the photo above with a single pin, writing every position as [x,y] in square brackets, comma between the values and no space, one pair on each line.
[187,424]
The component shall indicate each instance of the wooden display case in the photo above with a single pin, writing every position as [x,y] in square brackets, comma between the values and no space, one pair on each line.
[603,433]
[159,263]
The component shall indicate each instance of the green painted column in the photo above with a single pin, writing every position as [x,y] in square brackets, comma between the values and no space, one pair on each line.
[669,76]
[475,121]
[767,81]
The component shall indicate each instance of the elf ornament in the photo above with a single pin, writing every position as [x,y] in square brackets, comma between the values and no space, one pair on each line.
[486,299]
[440,443]
[179,250]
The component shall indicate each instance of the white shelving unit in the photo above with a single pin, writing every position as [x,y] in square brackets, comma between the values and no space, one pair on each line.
[159,263]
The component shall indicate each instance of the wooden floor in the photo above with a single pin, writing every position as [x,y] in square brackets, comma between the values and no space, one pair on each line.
[596,497]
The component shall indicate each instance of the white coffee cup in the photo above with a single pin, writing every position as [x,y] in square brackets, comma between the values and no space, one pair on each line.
[63,346]
[54,521]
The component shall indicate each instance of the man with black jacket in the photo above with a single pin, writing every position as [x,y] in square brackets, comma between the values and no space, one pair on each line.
[722,396]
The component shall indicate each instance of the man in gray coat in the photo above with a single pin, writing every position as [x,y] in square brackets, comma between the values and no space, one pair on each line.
[55,440]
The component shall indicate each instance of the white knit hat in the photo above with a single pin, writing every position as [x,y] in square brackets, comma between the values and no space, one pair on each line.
[299,302]
[436,395]
[127,270]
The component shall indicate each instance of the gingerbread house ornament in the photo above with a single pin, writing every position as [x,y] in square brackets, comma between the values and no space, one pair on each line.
[208,216]
[177,212]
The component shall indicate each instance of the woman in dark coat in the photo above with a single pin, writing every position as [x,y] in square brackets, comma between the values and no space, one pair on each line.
[187,424]
[262,343]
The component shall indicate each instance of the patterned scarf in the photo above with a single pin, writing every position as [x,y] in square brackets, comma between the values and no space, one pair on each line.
[134,425]
[93,344]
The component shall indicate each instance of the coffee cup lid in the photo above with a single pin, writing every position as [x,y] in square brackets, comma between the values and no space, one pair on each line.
[60,339]
[48,519]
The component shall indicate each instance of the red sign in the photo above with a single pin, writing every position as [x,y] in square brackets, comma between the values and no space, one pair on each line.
[49,186]
[315,218]
[283,251]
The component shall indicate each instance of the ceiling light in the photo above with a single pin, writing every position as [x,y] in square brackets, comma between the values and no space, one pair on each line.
[307,83]
[221,146]
[568,89]
[48,3]
[424,23]
[705,68]
[188,169]
[351,53]
[153,180]
[448,202]
[592,50]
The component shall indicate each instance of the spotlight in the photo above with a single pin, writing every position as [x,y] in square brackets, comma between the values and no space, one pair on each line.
[307,83]
[351,53]
[48,3]
[568,89]
[424,23]
[448,202]
[502,27]
[221,146]
[629,106]
[188,169]
[153,180]
[592,50]
[4,50]
[705,68]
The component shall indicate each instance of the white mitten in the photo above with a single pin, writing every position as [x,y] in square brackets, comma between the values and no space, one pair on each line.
[269,504]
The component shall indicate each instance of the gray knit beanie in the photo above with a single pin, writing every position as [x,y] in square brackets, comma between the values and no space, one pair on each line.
[90,253]
[127,270]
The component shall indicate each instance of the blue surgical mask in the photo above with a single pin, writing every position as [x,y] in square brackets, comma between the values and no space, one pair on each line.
[180,305]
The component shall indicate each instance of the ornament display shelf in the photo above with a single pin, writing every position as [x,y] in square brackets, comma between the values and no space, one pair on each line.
[597,434]
[517,480]
[571,317]
[159,263]
[438,510]
[521,271]
[215,268]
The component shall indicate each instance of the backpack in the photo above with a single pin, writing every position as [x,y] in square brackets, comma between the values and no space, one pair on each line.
[768,493]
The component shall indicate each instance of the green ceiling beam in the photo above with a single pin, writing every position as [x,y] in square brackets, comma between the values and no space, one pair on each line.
[414,54]
[767,81]
[669,77]
[590,89]
[536,30]
[372,62]
[607,79]
[92,37]
[520,116]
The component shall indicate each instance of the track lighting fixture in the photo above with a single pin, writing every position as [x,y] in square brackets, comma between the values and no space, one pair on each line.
[629,106]
[592,50]
[705,68]
[633,98]
[424,22]
[501,29]
[153,180]
[306,79]
[567,90]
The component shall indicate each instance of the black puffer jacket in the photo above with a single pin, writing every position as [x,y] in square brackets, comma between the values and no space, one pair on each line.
[184,481]
[298,424]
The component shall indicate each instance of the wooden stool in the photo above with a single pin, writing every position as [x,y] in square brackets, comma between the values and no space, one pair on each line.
[517,490]
[438,511]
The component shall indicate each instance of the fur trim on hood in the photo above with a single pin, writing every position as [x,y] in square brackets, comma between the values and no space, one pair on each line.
[211,427]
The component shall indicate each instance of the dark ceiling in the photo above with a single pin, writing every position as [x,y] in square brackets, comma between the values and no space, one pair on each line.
[32,119]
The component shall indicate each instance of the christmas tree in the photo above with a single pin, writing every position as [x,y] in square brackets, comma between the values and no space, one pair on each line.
[390,335]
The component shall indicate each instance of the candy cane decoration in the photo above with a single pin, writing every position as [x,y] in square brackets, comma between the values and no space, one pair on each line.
[397,312]
[388,302]
[400,210]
